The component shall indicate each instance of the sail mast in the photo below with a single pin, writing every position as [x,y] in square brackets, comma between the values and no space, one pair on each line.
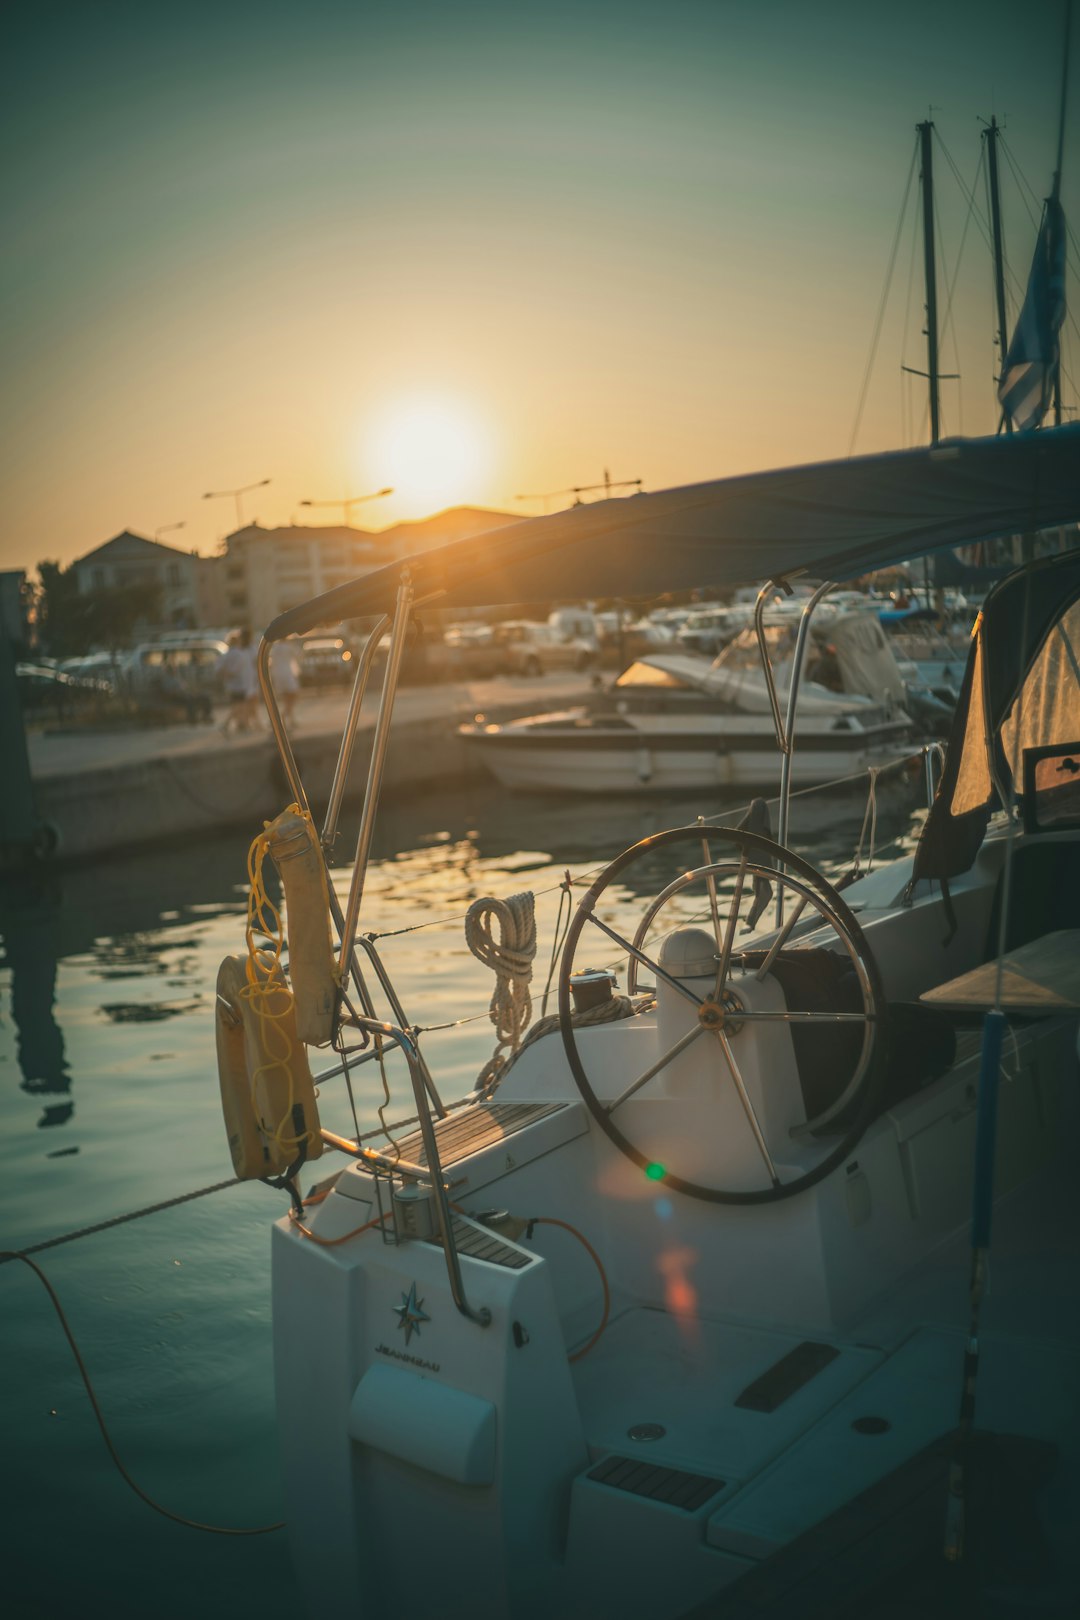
[1055,190]
[990,136]
[926,131]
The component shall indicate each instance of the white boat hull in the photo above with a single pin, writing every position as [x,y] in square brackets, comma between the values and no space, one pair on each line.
[598,762]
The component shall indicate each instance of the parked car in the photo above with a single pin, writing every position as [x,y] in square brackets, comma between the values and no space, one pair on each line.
[100,667]
[43,686]
[325,661]
[470,651]
[524,648]
[192,662]
[708,630]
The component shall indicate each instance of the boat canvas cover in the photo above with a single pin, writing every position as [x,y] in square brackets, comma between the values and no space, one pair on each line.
[1021,690]
[865,658]
[838,519]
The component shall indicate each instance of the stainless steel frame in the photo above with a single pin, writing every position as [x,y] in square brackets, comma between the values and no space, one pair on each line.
[425,1094]
[785,728]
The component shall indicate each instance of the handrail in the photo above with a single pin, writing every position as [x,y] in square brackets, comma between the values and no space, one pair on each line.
[770,683]
[375,768]
[482,1316]
[348,735]
[933,753]
[368,945]
[785,729]
[277,725]
[793,700]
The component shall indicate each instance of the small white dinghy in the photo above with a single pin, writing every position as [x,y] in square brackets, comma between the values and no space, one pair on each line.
[684,1309]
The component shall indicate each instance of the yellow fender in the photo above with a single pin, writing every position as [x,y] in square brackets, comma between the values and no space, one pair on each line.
[267,1093]
[294,848]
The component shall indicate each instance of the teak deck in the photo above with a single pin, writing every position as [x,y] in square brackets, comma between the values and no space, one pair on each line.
[1039,979]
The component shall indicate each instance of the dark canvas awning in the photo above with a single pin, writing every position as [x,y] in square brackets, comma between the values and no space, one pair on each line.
[835,519]
[1021,688]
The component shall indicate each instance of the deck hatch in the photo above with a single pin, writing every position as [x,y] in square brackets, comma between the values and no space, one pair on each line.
[787,1376]
[672,1486]
[462,1134]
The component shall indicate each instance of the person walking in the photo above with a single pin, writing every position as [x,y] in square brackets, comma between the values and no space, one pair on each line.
[240,682]
[285,673]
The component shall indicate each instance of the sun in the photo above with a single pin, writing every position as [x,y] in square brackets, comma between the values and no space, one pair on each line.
[433,451]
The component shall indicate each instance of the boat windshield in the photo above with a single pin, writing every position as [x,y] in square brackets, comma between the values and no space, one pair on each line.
[642,674]
[743,653]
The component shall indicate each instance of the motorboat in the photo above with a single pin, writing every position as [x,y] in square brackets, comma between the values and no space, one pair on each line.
[935,651]
[673,721]
[684,1307]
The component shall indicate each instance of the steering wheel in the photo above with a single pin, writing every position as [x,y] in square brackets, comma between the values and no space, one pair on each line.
[740,869]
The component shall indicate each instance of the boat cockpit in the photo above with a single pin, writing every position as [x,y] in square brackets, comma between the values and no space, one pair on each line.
[700,1260]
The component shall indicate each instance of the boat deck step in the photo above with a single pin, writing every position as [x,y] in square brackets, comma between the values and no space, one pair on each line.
[469,1130]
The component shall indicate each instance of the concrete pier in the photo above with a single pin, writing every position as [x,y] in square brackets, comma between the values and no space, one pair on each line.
[110,791]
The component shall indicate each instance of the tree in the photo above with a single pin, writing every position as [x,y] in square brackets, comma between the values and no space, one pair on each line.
[74,622]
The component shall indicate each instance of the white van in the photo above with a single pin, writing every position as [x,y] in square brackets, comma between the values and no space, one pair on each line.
[193,660]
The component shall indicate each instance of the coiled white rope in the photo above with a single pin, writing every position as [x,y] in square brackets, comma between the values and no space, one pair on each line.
[510,958]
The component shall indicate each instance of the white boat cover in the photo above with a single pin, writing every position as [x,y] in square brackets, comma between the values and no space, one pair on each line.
[865,658]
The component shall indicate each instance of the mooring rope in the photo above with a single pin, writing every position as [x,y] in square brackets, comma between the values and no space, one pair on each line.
[117,1220]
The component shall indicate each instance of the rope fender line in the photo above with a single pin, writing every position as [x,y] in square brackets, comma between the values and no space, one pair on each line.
[166,1513]
[510,958]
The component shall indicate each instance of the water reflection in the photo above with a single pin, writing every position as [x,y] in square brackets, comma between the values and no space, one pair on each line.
[30,914]
[143,928]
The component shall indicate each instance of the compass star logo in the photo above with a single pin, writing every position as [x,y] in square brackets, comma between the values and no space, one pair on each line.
[410,1313]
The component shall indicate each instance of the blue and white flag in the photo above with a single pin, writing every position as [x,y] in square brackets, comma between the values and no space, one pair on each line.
[1027,380]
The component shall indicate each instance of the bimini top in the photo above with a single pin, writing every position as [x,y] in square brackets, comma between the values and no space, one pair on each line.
[837,519]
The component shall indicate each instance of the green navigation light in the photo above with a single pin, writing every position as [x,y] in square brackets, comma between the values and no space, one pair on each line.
[655,1172]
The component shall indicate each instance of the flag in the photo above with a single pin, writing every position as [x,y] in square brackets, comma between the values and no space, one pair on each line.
[1027,379]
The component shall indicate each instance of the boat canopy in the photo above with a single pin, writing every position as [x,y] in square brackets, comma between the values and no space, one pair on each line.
[837,519]
[1020,697]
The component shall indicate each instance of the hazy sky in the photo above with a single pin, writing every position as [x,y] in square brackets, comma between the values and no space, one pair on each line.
[481,248]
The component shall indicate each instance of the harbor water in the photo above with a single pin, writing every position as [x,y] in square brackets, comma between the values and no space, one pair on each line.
[109,1102]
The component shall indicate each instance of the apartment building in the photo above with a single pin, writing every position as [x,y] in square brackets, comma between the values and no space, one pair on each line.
[130,559]
[266,571]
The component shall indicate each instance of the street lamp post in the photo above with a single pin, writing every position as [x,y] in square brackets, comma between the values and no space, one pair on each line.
[167,528]
[350,501]
[237,494]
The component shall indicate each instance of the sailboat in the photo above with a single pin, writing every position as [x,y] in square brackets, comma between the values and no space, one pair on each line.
[683,1304]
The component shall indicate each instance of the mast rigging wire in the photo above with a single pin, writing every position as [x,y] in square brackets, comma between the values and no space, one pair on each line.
[881,307]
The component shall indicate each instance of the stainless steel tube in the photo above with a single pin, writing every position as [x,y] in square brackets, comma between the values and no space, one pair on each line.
[792,706]
[375,768]
[348,736]
[277,726]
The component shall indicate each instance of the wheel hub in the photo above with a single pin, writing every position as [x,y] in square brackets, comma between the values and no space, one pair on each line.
[718,1015]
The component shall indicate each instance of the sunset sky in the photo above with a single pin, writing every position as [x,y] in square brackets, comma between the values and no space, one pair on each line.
[476,249]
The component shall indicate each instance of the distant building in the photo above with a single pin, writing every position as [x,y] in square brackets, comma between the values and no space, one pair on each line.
[130,559]
[265,572]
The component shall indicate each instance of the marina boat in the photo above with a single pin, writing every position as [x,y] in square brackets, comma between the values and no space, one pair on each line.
[684,1307]
[936,655]
[673,721]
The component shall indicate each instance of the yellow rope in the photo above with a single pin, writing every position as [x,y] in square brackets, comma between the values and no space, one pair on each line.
[271,1002]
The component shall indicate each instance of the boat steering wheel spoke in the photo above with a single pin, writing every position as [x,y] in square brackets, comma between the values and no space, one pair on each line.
[735,859]
[639,958]
[657,1068]
[748,1107]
